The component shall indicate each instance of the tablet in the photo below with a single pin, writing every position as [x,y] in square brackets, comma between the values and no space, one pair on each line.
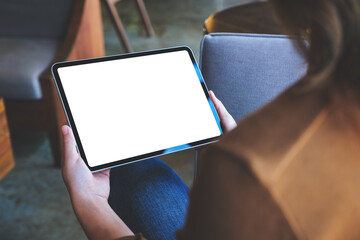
[130,107]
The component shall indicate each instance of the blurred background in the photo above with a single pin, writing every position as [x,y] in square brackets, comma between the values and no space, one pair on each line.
[34,203]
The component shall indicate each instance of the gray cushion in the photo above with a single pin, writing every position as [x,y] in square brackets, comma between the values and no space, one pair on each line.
[34,18]
[246,71]
[21,63]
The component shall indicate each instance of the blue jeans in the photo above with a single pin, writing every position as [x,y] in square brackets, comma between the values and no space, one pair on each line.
[149,197]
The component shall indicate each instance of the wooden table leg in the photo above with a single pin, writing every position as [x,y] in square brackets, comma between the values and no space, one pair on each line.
[6,153]
[119,27]
[145,17]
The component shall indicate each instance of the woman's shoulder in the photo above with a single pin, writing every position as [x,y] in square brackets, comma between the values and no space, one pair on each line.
[278,122]
[286,147]
[265,135]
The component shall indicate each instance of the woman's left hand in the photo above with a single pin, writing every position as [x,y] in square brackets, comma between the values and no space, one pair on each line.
[89,193]
[78,179]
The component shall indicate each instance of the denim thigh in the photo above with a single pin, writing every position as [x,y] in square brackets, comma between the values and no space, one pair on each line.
[149,197]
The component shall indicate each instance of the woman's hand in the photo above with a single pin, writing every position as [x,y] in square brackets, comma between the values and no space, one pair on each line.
[78,179]
[227,121]
[89,193]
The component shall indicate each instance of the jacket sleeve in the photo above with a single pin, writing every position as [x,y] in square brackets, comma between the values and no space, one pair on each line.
[228,202]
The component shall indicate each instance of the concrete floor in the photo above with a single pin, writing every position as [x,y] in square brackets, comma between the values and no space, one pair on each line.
[34,203]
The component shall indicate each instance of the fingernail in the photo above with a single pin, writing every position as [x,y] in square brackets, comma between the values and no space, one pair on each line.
[65,130]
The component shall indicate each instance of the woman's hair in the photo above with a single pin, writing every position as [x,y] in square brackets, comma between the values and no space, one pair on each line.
[332,31]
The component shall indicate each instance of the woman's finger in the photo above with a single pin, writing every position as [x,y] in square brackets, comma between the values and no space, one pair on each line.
[220,108]
[226,119]
[71,153]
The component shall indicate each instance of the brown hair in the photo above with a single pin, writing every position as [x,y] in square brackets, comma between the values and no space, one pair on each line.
[332,31]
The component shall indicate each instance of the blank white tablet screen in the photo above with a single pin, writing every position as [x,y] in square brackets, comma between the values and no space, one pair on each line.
[133,106]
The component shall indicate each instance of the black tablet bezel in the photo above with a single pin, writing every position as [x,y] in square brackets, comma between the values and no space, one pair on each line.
[72,124]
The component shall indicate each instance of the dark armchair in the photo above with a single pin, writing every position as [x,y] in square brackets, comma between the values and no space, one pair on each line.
[33,35]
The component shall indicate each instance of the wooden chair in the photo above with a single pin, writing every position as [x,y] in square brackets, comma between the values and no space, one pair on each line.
[119,27]
[33,37]
[254,17]
[6,154]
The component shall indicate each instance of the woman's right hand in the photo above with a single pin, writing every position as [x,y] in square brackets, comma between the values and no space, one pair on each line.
[227,121]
